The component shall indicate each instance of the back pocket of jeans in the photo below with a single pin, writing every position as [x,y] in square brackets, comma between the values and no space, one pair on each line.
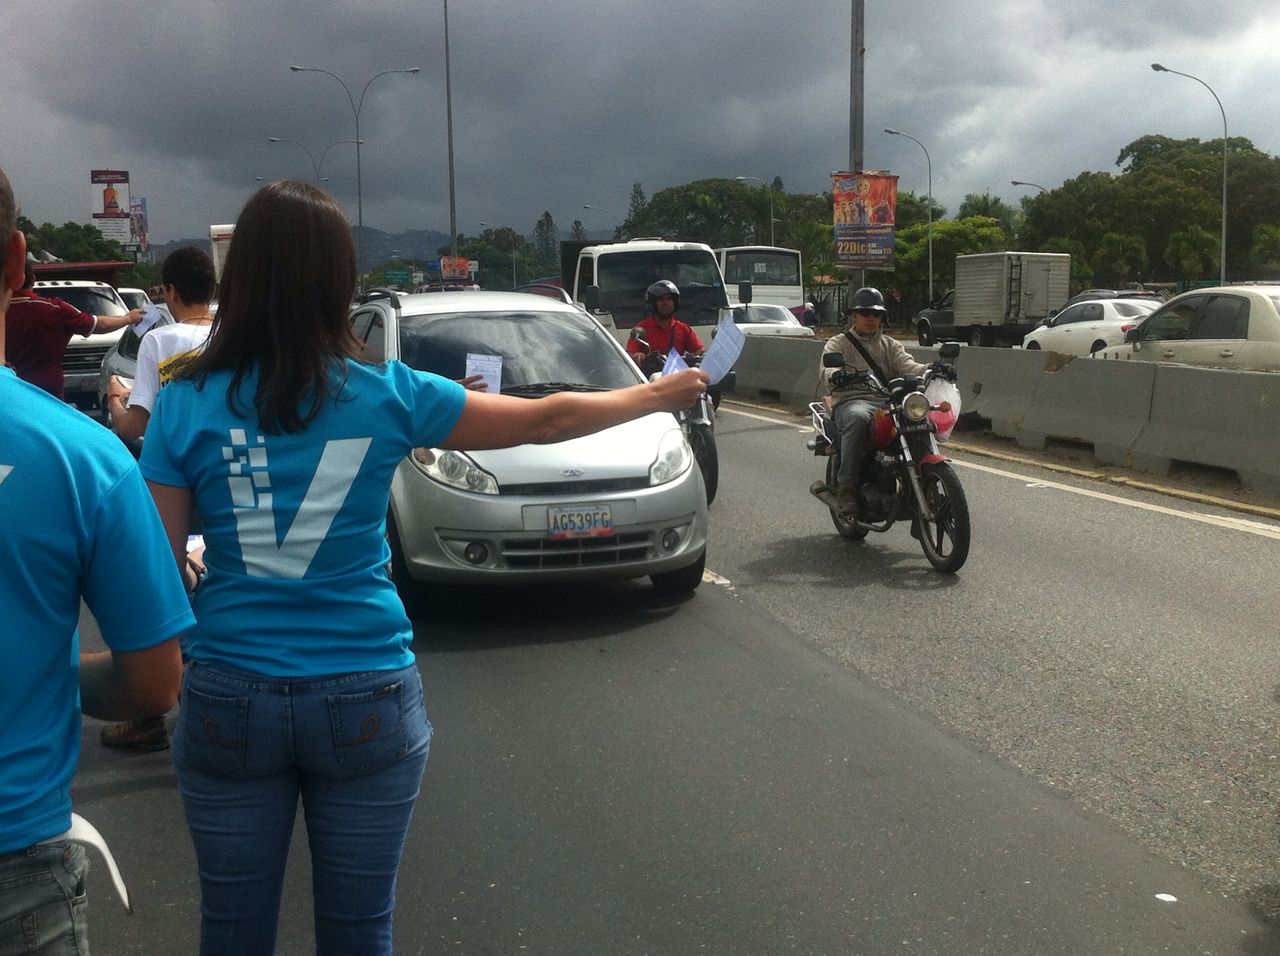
[368,729]
[213,733]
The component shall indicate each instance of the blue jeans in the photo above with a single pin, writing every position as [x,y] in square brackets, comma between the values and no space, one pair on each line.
[853,418]
[43,907]
[246,747]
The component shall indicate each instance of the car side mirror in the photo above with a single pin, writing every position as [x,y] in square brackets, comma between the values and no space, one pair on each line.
[591,298]
[949,350]
[832,360]
[1132,336]
[744,293]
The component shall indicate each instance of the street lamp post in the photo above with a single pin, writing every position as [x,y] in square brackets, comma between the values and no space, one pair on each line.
[513,257]
[743,179]
[1019,182]
[1223,256]
[929,208]
[616,221]
[317,166]
[356,106]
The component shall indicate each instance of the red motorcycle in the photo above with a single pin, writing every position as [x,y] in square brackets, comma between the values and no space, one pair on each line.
[903,474]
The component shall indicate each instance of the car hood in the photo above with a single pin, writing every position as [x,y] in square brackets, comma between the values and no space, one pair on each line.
[623,451]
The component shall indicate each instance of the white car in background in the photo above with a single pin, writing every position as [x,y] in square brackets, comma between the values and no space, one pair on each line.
[1086,327]
[763,318]
[135,298]
[1224,327]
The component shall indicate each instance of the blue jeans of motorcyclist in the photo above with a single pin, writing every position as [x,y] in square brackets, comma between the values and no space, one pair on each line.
[43,906]
[352,746]
[853,419]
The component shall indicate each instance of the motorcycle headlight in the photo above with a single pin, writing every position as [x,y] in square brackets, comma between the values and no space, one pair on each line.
[674,458]
[454,469]
[915,406]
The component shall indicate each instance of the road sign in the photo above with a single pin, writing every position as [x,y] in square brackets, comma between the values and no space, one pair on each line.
[453,267]
[395,276]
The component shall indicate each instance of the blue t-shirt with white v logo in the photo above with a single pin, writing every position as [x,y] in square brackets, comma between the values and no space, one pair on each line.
[294,524]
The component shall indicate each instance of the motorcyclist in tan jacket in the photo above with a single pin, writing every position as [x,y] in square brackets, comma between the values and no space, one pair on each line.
[853,405]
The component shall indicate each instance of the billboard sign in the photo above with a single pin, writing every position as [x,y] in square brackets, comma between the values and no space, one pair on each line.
[138,224]
[865,207]
[109,204]
[454,267]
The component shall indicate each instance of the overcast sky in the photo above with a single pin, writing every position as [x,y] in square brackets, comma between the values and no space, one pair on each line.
[561,103]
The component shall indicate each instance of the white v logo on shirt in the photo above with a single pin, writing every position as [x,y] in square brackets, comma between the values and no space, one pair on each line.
[266,557]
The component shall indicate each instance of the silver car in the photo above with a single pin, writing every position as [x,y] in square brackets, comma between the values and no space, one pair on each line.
[625,502]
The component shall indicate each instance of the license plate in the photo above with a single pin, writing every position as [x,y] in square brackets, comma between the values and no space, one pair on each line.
[585,521]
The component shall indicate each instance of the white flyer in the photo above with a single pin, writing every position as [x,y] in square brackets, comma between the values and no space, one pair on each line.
[487,366]
[724,351]
[149,318]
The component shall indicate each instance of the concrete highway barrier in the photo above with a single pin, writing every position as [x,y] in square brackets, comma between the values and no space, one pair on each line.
[1144,415]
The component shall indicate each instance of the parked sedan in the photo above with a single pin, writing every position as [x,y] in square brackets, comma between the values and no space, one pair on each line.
[1225,327]
[762,318]
[625,502]
[1085,327]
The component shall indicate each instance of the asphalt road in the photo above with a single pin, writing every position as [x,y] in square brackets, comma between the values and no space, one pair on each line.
[831,750]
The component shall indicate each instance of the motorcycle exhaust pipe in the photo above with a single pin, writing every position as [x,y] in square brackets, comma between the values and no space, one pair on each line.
[822,491]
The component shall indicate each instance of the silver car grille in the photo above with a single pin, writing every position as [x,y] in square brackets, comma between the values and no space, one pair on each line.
[85,358]
[563,488]
[536,552]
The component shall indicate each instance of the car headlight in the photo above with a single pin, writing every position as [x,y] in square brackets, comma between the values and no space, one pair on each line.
[454,469]
[915,406]
[674,458]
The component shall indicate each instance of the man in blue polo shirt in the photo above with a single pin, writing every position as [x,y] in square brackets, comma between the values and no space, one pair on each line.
[76,521]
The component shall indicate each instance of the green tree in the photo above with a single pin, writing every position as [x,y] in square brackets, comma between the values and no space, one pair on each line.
[578,231]
[990,206]
[719,212]
[1265,251]
[951,238]
[1193,252]
[546,242]
[1120,255]
[74,242]
[914,210]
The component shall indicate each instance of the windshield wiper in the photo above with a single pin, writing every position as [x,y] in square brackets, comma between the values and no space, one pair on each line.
[545,388]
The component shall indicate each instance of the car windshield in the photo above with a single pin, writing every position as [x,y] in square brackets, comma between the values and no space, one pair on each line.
[135,300]
[554,350]
[763,314]
[95,301]
[623,278]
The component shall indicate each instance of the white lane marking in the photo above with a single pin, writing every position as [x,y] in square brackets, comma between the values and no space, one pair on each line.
[1230,523]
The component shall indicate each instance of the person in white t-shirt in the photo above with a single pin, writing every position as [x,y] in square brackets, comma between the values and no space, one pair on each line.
[188,279]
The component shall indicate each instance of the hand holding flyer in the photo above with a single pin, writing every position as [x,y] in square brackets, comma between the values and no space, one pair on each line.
[724,351]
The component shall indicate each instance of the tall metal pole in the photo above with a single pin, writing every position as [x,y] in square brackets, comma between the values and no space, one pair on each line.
[857,52]
[1222,279]
[929,209]
[448,109]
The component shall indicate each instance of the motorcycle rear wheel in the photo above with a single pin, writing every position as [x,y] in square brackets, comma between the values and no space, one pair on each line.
[848,528]
[944,538]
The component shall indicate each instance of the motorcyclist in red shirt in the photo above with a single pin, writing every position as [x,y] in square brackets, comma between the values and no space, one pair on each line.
[661,330]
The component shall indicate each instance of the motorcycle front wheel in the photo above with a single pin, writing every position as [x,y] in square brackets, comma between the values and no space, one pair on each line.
[848,528]
[703,442]
[944,530]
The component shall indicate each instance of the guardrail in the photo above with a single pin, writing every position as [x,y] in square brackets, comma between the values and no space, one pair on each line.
[1147,416]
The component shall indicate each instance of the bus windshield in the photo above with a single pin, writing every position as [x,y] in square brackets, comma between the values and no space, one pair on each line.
[774,273]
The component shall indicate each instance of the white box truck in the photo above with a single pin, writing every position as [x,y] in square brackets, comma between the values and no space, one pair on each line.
[998,298]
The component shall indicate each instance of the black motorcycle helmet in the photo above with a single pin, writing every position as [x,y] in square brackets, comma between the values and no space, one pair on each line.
[660,288]
[867,299]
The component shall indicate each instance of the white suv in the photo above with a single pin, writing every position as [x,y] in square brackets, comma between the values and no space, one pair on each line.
[84,354]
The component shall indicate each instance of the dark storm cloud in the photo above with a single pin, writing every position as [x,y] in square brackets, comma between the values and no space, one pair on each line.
[560,103]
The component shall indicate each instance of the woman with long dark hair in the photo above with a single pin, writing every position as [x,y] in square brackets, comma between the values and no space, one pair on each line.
[301,683]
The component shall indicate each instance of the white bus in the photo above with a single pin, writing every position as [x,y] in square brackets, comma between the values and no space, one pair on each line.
[774,273]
